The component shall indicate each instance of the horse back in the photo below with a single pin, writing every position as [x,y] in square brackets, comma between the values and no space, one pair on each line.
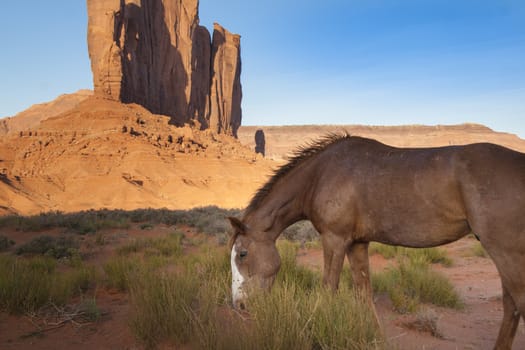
[418,196]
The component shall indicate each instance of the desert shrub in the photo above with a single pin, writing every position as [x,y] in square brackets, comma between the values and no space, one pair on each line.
[61,247]
[33,223]
[431,255]
[5,243]
[413,282]
[478,250]
[426,321]
[302,231]
[210,220]
[89,310]
[92,221]
[28,284]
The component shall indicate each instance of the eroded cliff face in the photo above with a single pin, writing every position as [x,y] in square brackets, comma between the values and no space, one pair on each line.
[156,54]
[226,92]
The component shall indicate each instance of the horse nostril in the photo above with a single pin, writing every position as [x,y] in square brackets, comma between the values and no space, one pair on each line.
[242,306]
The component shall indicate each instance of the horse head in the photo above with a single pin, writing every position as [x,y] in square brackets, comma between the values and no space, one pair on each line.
[255,262]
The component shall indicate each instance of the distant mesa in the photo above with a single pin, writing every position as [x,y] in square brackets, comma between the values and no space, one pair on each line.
[155,53]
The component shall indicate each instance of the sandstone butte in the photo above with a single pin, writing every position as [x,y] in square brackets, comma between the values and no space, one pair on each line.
[155,53]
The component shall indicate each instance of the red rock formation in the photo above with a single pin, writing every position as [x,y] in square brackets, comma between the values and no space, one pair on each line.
[226,92]
[156,54]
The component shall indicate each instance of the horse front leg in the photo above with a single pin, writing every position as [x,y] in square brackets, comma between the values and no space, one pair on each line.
[357,255]
[509,324]
[334,256]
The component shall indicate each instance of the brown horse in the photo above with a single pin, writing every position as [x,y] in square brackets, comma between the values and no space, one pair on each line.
[356,190]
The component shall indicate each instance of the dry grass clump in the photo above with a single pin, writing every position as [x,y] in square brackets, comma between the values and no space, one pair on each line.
[413,282]
[426,321]
[28,284]
[478,250]
[170,245]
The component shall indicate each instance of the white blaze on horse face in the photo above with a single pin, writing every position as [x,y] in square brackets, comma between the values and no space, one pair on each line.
[237,279]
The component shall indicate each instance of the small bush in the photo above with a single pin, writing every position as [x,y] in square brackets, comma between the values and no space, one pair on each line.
[89,310]
[426,321]
[5,243]
[61,247]
[302,231]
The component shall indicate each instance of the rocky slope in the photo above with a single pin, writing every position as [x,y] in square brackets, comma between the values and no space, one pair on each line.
[31,117]
[104,154]
[155,53]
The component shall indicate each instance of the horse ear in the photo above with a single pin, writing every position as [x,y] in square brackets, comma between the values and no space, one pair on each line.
[238,226]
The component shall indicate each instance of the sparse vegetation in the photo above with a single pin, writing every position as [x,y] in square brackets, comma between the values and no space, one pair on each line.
[184,298]
[170,245]
[61,247]
[185,306]
[209,220]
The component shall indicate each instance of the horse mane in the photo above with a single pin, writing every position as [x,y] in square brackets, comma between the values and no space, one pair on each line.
[298,156]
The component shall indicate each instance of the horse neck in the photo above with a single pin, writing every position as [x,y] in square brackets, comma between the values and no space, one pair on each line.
[283,206]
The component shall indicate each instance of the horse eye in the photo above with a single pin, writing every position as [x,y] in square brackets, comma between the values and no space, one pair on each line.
[243,253]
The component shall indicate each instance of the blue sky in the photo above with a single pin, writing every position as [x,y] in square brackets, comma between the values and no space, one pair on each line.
[377,62]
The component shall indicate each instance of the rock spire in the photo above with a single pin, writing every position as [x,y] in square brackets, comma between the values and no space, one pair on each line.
[155,53]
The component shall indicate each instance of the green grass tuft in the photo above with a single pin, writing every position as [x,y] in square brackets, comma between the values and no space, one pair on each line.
[28,284]
[413,282]
[290,272]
